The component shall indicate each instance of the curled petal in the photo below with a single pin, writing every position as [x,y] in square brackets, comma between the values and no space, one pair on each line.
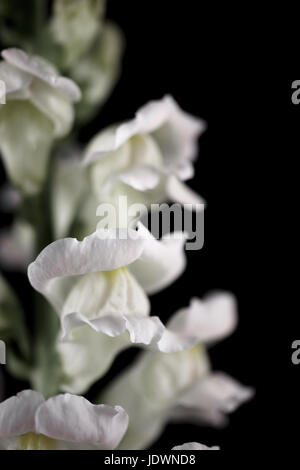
[17,414]
[15,80]
[104,250]
[140,178]
[161,262]
[40,68]
[202,322]
[142,330]
[74,419]
[212,398]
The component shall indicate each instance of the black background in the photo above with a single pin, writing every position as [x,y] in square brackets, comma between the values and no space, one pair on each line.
[251,126]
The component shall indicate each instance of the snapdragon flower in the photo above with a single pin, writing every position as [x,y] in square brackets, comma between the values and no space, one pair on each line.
[63,422]
[98,287]
[38,110]
[180,386]
[148,158]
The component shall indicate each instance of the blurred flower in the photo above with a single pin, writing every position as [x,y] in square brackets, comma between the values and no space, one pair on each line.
[74,26]
[28,422]
[17,246]
[89,50]
[194,446]
[98,287]
[38,110]
[98,70]
[162,387]
[146,158]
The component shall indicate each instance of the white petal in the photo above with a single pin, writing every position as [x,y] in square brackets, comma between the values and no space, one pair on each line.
[101,251]
[137,163]
[74,419]
[17,414]
[161,262]
[40,68]
[140,178]
[178,136]
[203,321]
[194,446]
[212,398]
[98,146]
[15,80]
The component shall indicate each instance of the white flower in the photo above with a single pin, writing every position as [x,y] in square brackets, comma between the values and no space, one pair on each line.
[194,446]
[146,158]
[162,387]
[98,287]
[28,422]
[38,110]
